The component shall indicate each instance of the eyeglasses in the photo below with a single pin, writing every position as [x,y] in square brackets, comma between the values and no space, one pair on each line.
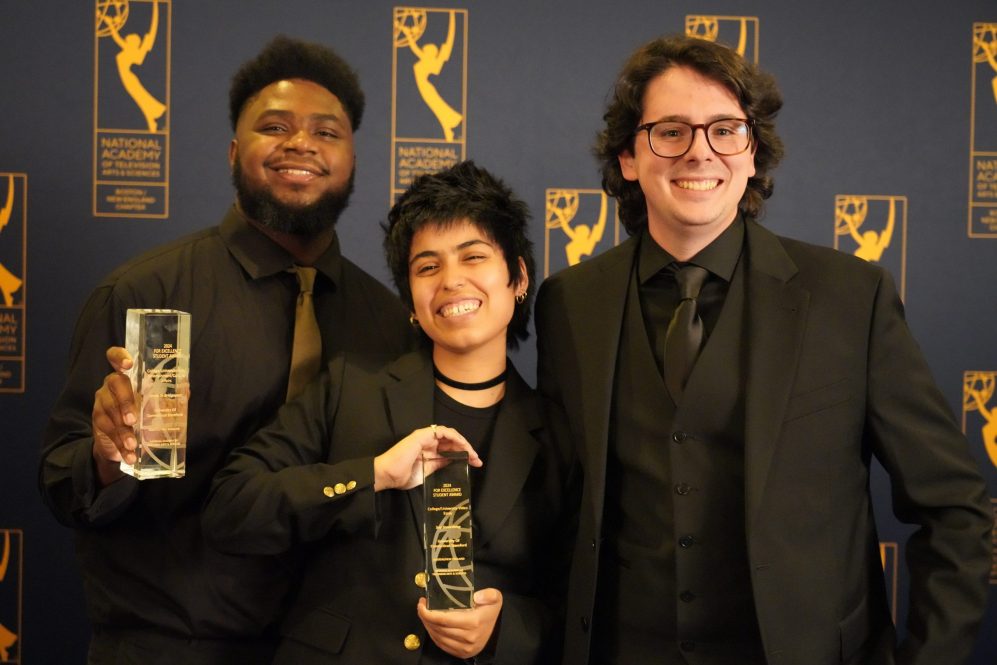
[671,138]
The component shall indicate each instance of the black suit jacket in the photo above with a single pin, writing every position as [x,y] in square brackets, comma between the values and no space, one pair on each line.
[834,377]
[308,479]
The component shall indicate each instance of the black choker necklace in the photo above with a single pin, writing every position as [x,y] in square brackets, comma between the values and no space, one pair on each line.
[460,385]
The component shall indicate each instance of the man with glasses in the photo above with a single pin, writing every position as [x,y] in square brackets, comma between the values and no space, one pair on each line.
[725,390]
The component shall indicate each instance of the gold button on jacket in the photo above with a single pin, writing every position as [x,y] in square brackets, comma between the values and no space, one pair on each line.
[412,642]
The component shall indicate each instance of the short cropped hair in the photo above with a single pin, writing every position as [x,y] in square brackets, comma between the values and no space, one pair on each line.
[287,58]
[463,192]
[755,90]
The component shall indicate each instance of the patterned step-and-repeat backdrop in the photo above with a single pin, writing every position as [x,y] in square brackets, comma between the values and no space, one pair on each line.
[115,135]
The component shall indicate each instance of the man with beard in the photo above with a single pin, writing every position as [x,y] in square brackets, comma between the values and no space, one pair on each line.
[155,592]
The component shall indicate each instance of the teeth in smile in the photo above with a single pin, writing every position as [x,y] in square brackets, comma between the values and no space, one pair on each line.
[698,185]
[459,308]
[296,171]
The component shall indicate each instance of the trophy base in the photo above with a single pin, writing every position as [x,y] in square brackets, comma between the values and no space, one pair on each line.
[157,462]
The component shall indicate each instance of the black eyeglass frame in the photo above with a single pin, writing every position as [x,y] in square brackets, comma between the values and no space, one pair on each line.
[648,126]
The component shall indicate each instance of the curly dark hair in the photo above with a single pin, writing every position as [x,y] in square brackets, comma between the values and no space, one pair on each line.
[754,89]
[287,58]
[463,192]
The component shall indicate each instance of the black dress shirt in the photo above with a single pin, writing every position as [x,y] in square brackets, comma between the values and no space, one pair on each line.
[145,566]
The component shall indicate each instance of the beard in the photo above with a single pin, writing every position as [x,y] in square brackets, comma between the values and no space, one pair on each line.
[260,205]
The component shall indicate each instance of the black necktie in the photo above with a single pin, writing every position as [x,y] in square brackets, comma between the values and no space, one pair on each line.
[685,331]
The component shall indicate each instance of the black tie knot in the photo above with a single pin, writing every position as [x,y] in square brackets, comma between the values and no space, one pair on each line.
[690,279]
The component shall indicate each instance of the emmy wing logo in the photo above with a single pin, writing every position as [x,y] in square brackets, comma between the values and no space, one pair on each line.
[131,108]
[576,223]
[10,594]
[874,228]
[979,410]
[983,133]
[979,416]
[737,32]
[13,261]
[429,93]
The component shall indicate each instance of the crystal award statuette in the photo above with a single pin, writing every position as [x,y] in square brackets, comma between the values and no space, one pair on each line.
[447,533]
[159,343]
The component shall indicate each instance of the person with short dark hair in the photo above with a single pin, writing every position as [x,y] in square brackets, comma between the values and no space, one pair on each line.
[726,390]
[339,473]
[460,193]
[155,592]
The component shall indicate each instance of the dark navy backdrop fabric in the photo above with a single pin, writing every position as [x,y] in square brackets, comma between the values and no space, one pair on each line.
[883,101]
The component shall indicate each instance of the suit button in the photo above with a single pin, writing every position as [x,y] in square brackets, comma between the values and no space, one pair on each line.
[340,488]
[685,542]
[687,646]
[351,485]
[585,624]
[328,491]
[420,579]
[682,489]
[687,596]
[412,642]
[679,437]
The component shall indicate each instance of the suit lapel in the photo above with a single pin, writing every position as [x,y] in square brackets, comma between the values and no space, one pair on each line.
[409,407]
[776,315]
[600,306]
[510,461]
[410,400]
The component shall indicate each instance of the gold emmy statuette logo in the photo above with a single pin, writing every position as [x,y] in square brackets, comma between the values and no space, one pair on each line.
[738,32]
[429,92]
[889,556]
[131,123]
[13,262]
[977,399]
[10,594]
[874,228]
[983,133]
[575,227]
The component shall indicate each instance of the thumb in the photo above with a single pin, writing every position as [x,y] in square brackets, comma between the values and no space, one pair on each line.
[119,358]
[487,597]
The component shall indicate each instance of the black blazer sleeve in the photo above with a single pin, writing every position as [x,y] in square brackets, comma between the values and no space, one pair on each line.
[277,490]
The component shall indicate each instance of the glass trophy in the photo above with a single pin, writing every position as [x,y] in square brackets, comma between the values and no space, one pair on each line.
[159,343]
[447,533]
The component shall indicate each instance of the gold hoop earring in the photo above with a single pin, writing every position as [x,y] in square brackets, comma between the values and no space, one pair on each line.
[521,298]
[414,322]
